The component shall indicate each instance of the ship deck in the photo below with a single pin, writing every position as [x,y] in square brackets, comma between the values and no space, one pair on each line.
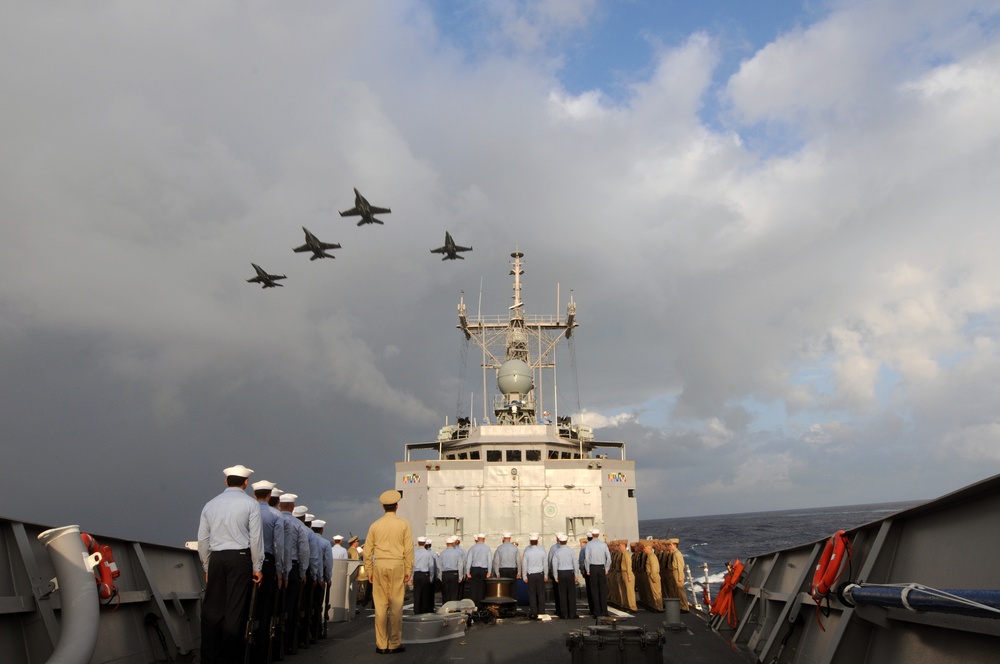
[519,640]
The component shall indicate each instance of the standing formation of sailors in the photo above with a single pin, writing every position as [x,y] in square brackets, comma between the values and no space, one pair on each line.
[268,570]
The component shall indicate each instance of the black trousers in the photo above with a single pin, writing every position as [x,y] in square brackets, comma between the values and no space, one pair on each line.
[477,585]
[555,594]
[536,594]
[508,573]
[449,587]
[224,610]
[423,596]
[598,590]
[263,610]
[567,593]
[293,593]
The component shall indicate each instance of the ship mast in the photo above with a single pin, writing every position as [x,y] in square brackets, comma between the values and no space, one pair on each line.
[517,350]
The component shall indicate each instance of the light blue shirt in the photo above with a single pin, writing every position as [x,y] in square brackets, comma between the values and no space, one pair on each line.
[423,561]
[296,544]
[315,554]
[451,560]
[506,556]
[533,561]
[479,556]
[339,552]
[273,531]
[597,553]
[231,522]
[564,560]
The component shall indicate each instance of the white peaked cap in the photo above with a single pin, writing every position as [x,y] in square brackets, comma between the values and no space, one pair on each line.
[276,492]
[595,531]
[507,535]
[421,540]
[239,470]
[288,498]
[319,523]
[300,510]
[451,539]
[533,537]
[563,538]
[263,484]
[480,536]
[430,541]
[336,537]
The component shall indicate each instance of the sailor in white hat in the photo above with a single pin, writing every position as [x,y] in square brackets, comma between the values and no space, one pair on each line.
[451,563]
[308,630]
[534,569]
[507,560]
[322,580]
[551,571]
[424,572]
[597,563]
[339,552]
[296,562]
[389,561]
[564,563]
[231,549]
[477,568]
[273,531]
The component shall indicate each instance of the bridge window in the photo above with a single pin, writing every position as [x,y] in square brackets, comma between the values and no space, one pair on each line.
[533,455]
[553,454]
[474,455]
[513,455]
[566,455]
[494,455]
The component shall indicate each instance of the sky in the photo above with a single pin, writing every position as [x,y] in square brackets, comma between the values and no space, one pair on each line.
[778,221]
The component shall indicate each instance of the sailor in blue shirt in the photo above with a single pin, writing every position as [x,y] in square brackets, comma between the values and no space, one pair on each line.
[564,562]
[273,530]
[296,562]
[423,573]
[452,564]
[506,561]
[477,569]
[339,552]
[461,572]
[533,564]
[551,571]
[308,635]
[597,562]
[231,547]
[323,576]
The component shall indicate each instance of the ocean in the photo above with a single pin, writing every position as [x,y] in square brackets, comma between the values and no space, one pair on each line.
[721,538]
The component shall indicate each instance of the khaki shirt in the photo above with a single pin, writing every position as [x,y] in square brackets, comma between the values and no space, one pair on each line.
[389,538]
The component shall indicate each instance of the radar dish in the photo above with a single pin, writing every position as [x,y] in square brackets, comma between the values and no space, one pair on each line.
[515,377]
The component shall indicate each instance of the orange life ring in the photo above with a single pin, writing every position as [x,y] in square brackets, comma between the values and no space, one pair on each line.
[828,567]
[106,571]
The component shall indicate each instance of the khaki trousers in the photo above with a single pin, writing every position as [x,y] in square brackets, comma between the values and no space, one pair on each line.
[388,590]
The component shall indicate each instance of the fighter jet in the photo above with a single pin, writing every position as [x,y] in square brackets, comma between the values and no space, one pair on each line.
[314,245]
[450,249]
[362,208]
[266,280]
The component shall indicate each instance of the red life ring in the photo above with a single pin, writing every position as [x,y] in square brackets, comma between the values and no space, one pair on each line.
[828,567]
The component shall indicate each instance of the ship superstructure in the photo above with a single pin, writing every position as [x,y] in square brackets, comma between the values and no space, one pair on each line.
[518,471]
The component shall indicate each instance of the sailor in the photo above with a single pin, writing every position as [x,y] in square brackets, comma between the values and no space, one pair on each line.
[231,549]
[533,564]
[565,566]
[339,552]
[477,569]
[362,594]
[675,568]
[436,576]
[309,603]
[273,532]
[296,561]
[545,417]
[275,497]
[462,586]
[423,572]
[583,569]
[653,591]
[322,600]
[506,562]
[551,571]
[389,561]
[597,562]
[451,561]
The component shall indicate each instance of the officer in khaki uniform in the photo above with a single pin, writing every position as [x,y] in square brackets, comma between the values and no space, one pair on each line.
[389,562]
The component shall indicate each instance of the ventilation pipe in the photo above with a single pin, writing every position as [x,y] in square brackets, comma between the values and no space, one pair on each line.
[81,611]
